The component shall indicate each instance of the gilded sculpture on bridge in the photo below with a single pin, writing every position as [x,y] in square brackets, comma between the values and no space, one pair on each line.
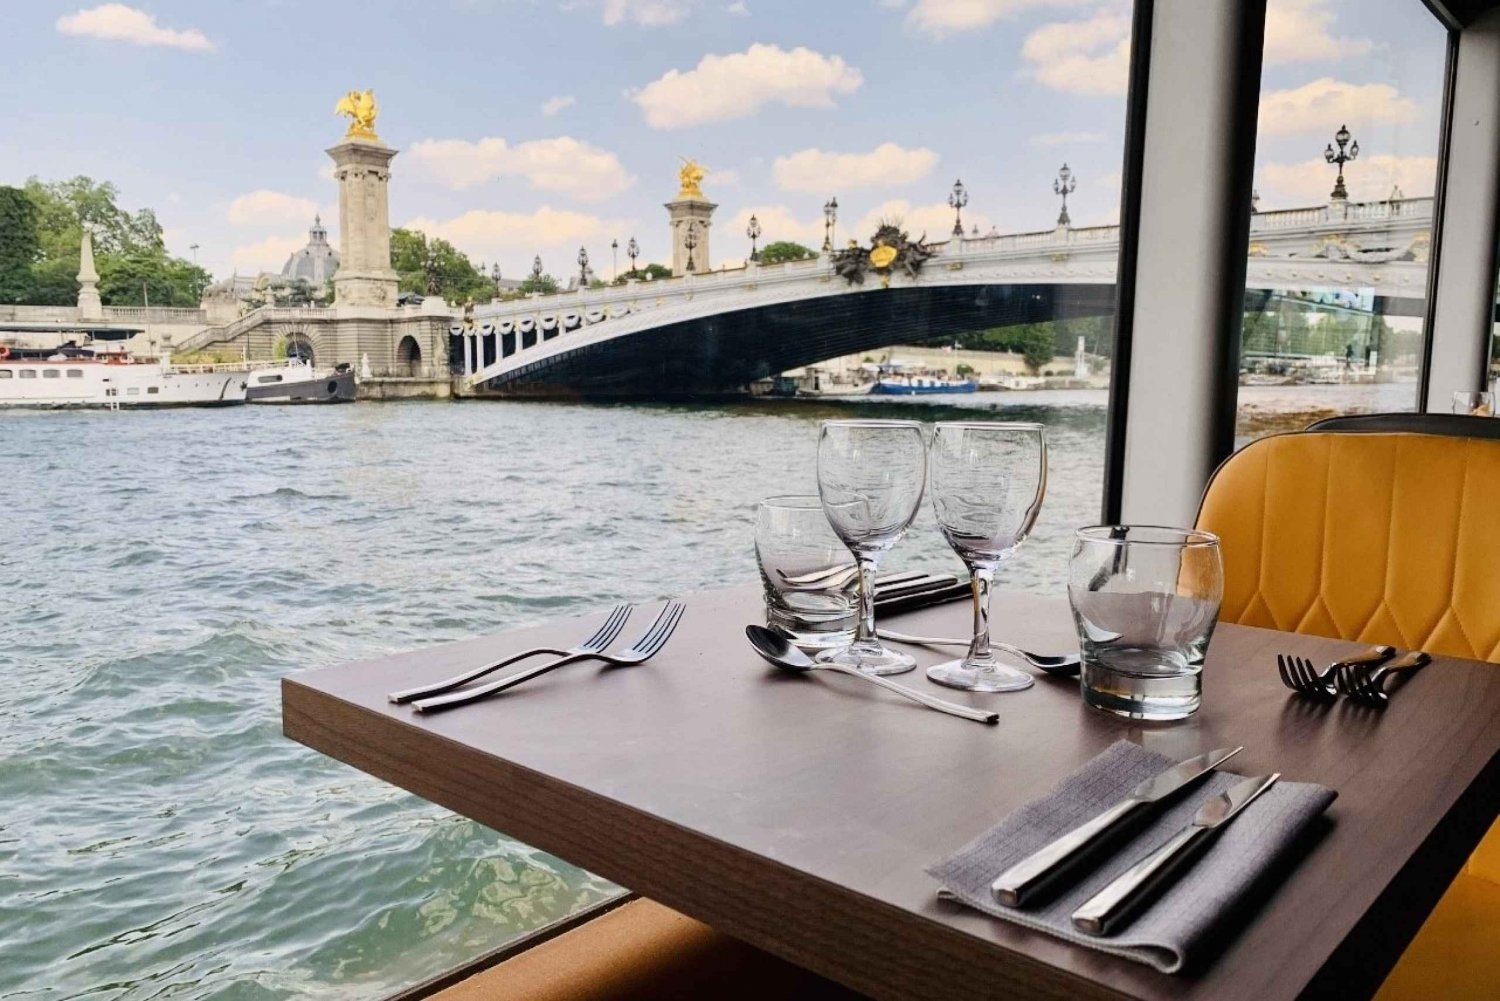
[360,107]
[690,176]
[890,250]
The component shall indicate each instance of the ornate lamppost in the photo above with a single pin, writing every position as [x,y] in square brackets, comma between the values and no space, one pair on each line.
[614,260]
[1064,185]
[830,217]
[632,251]
[753,232]
[583,267]
[690,241]
[536,273]
[957,199]
[1342,157]
[1254,201]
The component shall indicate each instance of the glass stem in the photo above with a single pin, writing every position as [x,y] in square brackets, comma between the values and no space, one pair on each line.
[865,630]
[981,579]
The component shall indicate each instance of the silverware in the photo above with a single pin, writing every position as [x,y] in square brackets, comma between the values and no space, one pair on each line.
[1117,903]
[1020,883]
[1066,664]
[642,650]
[828,577]
[1363,683]
[779,651]
[599,641]
[1298,673]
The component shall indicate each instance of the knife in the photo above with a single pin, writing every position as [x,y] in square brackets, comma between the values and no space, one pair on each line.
[1113,905]
[1021,882]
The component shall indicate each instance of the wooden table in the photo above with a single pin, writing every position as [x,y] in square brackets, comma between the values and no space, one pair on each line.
[797,813]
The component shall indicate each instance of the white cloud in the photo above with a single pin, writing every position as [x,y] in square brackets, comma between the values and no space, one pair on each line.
[268,254]
[1325,104]
[813,170]
[491,235]
[1369,179]
[270,208]
[725,178]
[777,223]
[941,18]
[563,165]
[738,9]
[935,220]
[1298,31]
[646,12]
[553,105]
[1065,138]
[115,22]
[727,87]
[1091,56]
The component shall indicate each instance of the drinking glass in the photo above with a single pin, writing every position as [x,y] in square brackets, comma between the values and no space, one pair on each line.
[870,477]
[809,599]
[988,481]
[1474,404]
[1145,600]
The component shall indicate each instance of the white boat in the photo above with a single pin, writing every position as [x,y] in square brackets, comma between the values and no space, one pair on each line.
[297,381]
[60,381]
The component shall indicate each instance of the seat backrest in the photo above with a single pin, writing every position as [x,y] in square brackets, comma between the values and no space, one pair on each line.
[1460,425]
[1374,537]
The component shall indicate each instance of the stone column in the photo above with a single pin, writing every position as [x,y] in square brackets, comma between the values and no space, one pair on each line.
[699,212]
[365,277]
[89,306]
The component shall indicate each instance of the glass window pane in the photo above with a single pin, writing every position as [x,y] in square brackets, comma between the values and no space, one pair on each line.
[1346,162]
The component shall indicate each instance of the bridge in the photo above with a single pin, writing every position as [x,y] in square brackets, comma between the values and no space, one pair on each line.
[718,331]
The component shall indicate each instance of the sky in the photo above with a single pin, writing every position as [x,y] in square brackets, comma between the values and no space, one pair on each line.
[531,127]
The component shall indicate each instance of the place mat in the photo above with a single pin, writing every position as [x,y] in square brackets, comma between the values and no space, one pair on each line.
[1180,922]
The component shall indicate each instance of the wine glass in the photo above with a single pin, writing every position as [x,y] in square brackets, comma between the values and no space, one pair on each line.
[988,480]
[870,478]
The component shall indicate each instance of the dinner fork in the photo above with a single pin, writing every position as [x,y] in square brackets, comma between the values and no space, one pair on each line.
[1298,673]
[1363,683]
[642,650]
[599,641]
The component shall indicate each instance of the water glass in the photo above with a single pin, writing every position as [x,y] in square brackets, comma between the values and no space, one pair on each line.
[1145,600]
[808,576]
[1474,404]
[988,481]
[871,475]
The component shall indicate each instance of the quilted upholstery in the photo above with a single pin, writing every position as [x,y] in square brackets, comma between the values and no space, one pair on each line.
[1379,538]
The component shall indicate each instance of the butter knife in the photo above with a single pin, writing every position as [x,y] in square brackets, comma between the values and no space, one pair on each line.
[1116,903]
[1020,883]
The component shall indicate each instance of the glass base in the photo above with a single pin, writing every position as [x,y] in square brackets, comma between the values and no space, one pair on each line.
[871,658]
[979,677]
[1152,686]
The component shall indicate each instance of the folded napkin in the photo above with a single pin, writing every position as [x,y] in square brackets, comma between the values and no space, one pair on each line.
[1180,922]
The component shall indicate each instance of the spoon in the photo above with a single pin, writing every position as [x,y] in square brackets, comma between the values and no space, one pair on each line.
[779,651]
[1064,665]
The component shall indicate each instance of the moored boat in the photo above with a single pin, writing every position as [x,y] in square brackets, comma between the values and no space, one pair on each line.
[919,385]
[75,379]
[297,381]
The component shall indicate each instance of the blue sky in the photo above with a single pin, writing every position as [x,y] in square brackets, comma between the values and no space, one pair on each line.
[538,126]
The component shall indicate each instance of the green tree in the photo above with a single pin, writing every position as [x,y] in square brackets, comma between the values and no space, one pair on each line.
[543,283]
[436,267]
[651,272]
[1038,345]
[143,278]
[19,246]
[785,250]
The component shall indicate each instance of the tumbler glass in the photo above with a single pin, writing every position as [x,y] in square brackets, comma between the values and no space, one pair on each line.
[1145,600]
[807,572]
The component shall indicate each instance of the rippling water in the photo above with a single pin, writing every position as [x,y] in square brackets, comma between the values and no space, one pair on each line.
[161,571]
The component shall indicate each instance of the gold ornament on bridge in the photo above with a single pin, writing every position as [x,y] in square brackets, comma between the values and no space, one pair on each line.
[360,107]
[691,175]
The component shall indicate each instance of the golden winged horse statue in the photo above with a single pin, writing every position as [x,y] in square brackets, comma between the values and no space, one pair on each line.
[360,107]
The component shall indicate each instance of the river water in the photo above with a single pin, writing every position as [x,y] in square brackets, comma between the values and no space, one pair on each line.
[161,571]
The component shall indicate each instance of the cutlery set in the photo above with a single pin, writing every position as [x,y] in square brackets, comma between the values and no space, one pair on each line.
[1117,903]
[1359,678]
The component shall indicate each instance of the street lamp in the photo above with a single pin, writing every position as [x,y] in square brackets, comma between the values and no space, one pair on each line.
[1065,185]
[1254,201]
[1341,157]
[632,251]
[194,248]
[583,267]
[536,273]
[753,232]
[690,241]
[830,217]
[614,260]
[957,199]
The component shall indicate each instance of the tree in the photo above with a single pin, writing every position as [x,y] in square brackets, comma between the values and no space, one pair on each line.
[1038,345]
[436,267]
[141,279]
[19,246]
[544,284]
[785,250]
[651,272]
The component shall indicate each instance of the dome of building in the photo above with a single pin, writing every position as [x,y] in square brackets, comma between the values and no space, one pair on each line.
[314,263]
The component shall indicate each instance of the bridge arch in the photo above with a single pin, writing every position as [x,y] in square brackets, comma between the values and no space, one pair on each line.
[408,356]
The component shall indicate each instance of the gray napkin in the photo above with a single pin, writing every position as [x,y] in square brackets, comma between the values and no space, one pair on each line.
[1181,920]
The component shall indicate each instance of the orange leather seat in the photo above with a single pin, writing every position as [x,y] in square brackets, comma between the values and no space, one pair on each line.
[1379,538]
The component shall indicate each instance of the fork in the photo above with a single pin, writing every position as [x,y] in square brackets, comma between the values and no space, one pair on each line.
[598,642]
[1364,684]
[1298,673]
[642,650]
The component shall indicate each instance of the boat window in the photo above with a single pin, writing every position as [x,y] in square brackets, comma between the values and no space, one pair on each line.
[111,391]
[152,389]
[28,373]
[1336,288]
[51,373]
[75,373]
[268,378]
[5,373]
[133,391]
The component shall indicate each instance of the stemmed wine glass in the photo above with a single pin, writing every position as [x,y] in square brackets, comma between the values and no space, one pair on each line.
[870,478]
[988,480]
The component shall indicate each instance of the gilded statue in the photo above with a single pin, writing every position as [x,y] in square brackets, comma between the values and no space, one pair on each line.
[691,175]
[360,107]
